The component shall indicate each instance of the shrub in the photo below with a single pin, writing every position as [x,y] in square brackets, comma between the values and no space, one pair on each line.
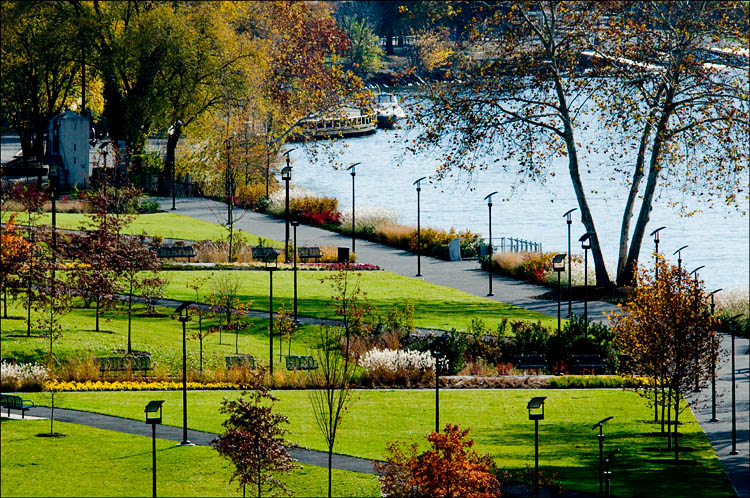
[148,205]
[22,377]
[388,367]
[368,220]
[452,348]
[253,195]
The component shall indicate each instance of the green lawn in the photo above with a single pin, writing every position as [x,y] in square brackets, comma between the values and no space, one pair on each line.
[95,462]
[168,225]
[160,335]
[500,426]
[435,306]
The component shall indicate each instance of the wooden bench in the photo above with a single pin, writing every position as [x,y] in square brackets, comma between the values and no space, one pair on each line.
[124,363]
[583,362]
[240,361]
[306,253]
[301,363]
[527,361]
[176,252]
[10,401]
[265,254]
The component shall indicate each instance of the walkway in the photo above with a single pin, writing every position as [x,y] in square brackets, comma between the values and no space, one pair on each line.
[720,433]
[128,426]
[461,275]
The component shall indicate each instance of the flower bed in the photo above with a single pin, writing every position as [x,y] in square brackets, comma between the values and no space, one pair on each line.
[263,267]
[56,385]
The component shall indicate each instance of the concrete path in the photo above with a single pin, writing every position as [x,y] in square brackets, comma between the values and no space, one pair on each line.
[128,426]
[462,275]
[720,433]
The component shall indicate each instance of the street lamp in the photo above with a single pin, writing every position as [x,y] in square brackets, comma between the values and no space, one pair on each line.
[228,185]
[695,358]
[558,264]
[600,425]
[713,363]
[586,245]
[678,252]
[438,354]
[655,235]
[286,175]
[352,168]
[569,220]
[418,183]
[270,318]
[152,419]
[183,317]
[607,472]
[536,404]
[488,198]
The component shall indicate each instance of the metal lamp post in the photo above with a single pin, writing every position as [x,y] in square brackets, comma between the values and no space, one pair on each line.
[713,363]
[655,235]
[586,245]
[229,181]
[183,317]
[438,354]
[418,183]
[171,131]
[558,264]
[270,318]
[352,168]
[152,419]
[536,404]
[600,437]
[488,198]
[569,221]
[695,357]
[734,394]
[295,224]
[286,175]
[678,252]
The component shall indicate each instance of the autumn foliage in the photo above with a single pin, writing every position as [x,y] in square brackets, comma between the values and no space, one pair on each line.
[450,468]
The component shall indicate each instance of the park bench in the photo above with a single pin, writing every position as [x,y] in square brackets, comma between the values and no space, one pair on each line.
[240,361]
[301,363]
[124,363]
[167,252]
[10,401]
[592,362]
[306,253]
[527,361]
[265,254]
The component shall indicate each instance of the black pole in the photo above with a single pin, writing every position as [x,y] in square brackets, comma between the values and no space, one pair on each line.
[352,210]
[601,459]
[734,404]
[437,395]
[174,195]
[586,289]
[570,282]
[608,475]
[713,368]
[558,302]
[419,239]
[536,458]
[153,456]
[490,293]
[184,388]
[270,318]
[286,217]
[295,279]
[656,258]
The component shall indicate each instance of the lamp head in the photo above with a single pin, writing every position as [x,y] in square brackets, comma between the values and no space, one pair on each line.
[352,168]
[558,262]
[418,182]
[295,223]
[585,240]
[601,422]
[678,251]
[151,412]
[488,198]
[655,233]
[286,173]
[536,404]
[711,295]
[696,271]
[182,311]
[568,216]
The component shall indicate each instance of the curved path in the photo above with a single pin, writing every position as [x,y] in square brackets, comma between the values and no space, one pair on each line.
[461,275]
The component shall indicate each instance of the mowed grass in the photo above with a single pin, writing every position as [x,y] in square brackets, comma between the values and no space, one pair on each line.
[168,225]
[435,306]
[500,426]
[160,335]
[96,462]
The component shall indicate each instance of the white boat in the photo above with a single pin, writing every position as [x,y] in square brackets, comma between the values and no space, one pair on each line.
[341,123]
[388,110]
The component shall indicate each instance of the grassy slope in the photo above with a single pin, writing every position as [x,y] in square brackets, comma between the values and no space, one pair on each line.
[112,464]
[500,426]
[168,225]
[160,336]
[435,306]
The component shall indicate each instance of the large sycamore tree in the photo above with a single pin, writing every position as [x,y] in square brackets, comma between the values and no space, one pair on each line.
[629,81]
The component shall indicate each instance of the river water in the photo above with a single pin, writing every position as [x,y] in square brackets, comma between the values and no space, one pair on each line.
[718,238]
